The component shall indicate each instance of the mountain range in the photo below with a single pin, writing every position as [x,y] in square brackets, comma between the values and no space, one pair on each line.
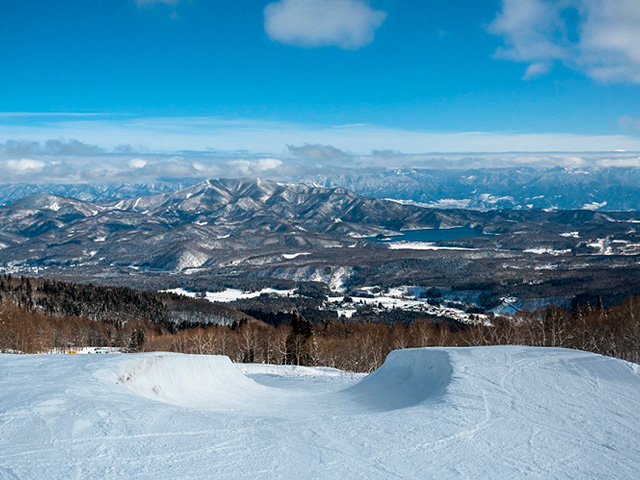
[201,224]
[606,188]
[236,232]
[563,188]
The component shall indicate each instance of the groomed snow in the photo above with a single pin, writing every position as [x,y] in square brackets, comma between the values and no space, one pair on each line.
[486,412]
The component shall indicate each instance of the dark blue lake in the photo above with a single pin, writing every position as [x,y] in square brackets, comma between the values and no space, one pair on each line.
[430,235]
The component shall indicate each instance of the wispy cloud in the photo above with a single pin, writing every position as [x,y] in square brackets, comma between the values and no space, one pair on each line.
[629,124]
[242,138]
[537,69]
[49,147]
[597,37]
[45,114]
[347,24]
[109,167]
[151,3]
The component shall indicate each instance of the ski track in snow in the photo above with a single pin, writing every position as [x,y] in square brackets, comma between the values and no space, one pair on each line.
[490,412]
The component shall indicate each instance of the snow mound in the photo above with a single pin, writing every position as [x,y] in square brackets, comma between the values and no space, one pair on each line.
[188,380]
[507,412]
[407,378]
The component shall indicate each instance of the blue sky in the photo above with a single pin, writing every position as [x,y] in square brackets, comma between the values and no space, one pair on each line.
[413,76]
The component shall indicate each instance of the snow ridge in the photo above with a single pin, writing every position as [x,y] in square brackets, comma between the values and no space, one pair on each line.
[505,412]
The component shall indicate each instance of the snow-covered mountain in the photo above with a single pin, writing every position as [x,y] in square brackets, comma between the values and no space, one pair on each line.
[317,209]
[201,224]
[242,229]
[602,188]
[445,413]
[92,192]
[611,188]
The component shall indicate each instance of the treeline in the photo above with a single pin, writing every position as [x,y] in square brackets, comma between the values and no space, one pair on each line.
[364,346]
[118,306]
[23,331]
[28,325]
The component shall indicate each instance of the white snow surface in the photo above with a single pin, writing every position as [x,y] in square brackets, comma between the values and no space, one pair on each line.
[548,251]
[406,297]
[291,256]
[232,294]
[594,205]
[404,245]
[441,413]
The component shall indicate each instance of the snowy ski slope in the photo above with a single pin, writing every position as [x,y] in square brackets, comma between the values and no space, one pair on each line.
[486,412]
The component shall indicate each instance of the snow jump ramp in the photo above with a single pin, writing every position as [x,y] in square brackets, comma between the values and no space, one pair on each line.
[443,413]
[190,380]
[407,378]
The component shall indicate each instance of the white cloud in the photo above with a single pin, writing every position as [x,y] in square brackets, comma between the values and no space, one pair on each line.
[137,163]
[24,165]
[173,167]
[254,167]
[537,69]
[266,164]
[602,42]
[620,162]
[117,169]
[347,24]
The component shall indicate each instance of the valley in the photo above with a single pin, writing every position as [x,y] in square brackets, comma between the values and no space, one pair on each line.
[251,235]
[320,239]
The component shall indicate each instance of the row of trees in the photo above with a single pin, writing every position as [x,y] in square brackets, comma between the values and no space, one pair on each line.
[104,304]
[363,347]
[352,346]
[23,331]
[115,305]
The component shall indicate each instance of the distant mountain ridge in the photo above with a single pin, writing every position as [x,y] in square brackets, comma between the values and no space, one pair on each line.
[610,188]
[92,192]
[232,232]
[201,224]
[605,188]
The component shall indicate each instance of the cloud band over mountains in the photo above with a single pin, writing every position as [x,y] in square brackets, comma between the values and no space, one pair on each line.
[73,161]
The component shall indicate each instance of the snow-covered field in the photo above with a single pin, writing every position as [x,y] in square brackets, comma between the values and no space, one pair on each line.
[492,412]
[231,294]
[406,297]
[402,245]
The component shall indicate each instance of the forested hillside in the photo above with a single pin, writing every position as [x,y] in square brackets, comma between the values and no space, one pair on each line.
[43,315]
[40,314]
